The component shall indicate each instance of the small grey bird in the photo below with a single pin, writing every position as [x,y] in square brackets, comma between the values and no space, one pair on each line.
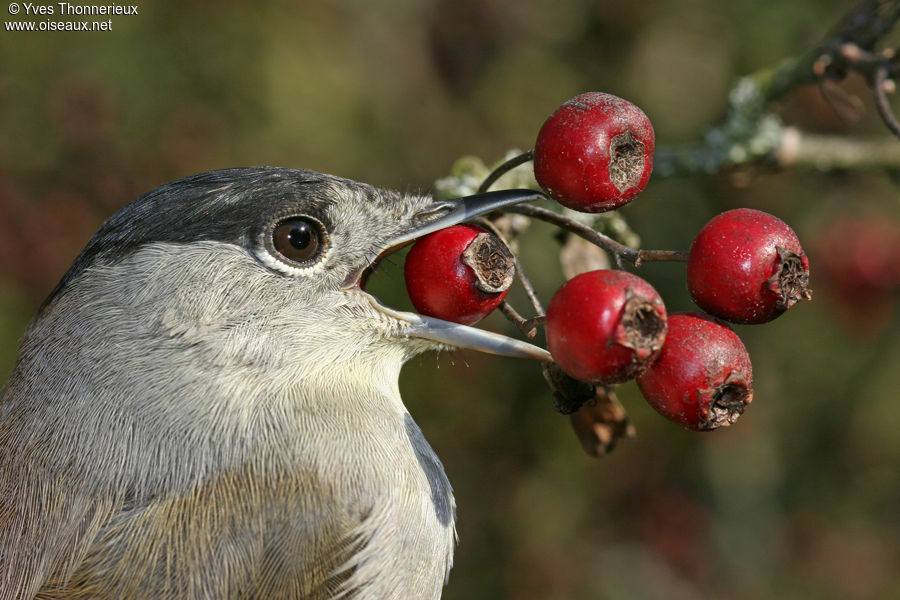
[207,405]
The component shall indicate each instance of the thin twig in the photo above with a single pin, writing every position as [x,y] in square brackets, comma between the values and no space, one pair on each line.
[881,101]
[596,238]
[527,326]
[618,251]
[660,256]
[503,169]
[751,134]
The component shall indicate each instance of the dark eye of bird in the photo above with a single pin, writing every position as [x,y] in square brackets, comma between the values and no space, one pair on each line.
[298,240]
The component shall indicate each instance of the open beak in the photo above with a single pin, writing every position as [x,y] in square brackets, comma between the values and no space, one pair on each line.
[440,216]
[459,210]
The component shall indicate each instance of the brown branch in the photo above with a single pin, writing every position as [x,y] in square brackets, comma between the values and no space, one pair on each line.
[660,256]
[528,327]
[619,251]
[605,242]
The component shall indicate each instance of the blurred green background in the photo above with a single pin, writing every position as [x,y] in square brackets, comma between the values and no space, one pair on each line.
[801,499]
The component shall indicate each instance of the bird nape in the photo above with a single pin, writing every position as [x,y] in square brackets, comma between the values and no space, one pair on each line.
[206,406]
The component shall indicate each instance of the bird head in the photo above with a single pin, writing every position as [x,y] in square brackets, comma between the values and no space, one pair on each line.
[212,352]
[261,268]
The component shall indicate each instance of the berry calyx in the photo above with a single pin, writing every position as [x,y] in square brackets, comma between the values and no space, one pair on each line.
[595,153]
[747,266]
[605,326]
[703,378]
[458,274]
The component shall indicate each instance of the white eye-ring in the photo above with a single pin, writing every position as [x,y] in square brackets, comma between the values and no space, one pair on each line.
[296,246]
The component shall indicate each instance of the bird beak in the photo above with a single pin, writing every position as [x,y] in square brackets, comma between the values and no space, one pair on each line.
[447,214]
[463,336]
[440,216]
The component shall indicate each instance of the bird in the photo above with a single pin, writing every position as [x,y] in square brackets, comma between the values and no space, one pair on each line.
[207,404]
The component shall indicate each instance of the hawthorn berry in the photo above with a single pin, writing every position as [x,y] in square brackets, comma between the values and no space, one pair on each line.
[458,274]
[858,257]
[702,379]
[605,326]
[595,153]
[747,266]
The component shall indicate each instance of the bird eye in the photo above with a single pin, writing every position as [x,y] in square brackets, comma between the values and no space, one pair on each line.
[298,240]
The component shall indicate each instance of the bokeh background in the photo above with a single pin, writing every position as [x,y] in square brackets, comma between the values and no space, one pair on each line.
[801,499]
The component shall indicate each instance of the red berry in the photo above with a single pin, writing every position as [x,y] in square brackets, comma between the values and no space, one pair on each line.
[703,378]
[458,274]
[747,266]
[595,153]
[860,256]
[605,326]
